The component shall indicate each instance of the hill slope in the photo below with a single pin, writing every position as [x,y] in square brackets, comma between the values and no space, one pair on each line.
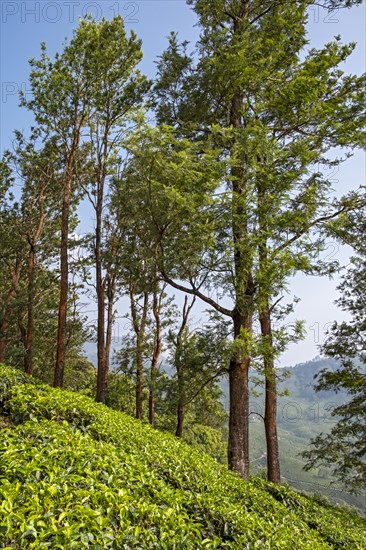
[75,474]
[301,414]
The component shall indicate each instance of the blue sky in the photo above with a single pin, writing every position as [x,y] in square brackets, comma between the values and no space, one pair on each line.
[24,24]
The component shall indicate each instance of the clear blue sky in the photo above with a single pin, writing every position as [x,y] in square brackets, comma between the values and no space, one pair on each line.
[24,24]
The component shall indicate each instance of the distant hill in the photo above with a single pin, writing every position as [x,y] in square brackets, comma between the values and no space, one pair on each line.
[301,415]
[76,474]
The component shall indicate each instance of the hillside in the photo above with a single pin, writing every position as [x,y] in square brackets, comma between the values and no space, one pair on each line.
[75,474]
[302,413]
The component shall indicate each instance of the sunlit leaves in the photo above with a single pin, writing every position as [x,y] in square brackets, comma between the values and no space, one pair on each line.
[76,474]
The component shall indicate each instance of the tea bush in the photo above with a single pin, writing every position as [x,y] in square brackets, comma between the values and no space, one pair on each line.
[75,474]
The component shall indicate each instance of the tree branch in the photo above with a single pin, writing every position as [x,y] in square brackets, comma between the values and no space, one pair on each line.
[195,292]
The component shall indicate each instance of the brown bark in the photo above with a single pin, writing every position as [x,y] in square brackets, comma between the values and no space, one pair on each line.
[100,280]
[110,318]
[238,444]
[270,417]
[2,348]
[64,264]
[265,290]
[31,271]
[4,329]
[101,377]
[152,394]
[28,355]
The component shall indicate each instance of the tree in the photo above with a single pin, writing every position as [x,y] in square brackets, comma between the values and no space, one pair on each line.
[39,171]
[273,118]
[344,448]
[84,99]
[116,92]
[60,97]
[11,252]
[200,358]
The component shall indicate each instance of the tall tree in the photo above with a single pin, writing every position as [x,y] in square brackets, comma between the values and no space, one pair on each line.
[116,93]
[274,118]
[61,90]
[84,98]
[39,171]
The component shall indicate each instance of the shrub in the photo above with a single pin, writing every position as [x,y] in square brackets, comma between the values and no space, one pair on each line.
[75,474]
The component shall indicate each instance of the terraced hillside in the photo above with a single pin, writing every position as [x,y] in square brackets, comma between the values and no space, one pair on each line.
[75,474]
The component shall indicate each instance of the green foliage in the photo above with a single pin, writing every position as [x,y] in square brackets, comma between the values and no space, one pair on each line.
[345,446]
[75,474]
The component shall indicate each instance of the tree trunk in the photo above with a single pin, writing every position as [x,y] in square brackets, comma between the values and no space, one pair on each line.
[270,417]
[64,266]
[64,281]
[152,401]
[238,445]
[179,366]
[100,288]
[28,355]
[64,269]
[139,379]
[180,419]
[110,294]
[101,377]
[139,327]
[157,302]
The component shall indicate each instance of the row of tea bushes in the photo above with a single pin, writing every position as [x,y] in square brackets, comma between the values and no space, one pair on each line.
[76,474]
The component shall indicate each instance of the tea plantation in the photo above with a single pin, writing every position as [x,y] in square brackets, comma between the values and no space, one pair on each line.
[75,474]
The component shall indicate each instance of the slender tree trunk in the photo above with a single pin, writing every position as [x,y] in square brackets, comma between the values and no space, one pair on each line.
[101,386]
[139,380]
[238,444]
[270,417]
[64,266]
[101,349]
[100,287]
[28,355]
[180,422]
[31,272]
[157,300]
[110,295]
[180,367]
[22,329]
[152,399]
[139,328]
[2,347]
[181,406]
[64,281]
